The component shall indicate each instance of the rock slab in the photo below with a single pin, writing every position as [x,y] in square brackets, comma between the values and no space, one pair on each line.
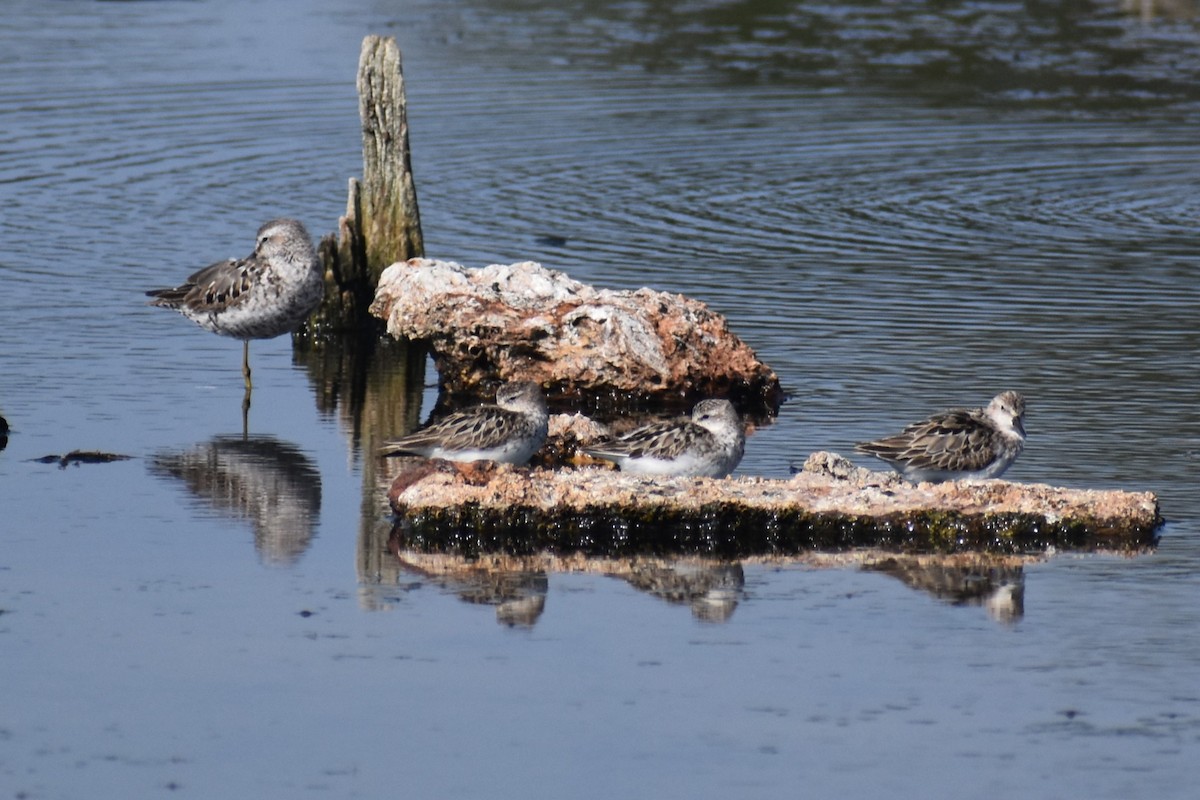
[831,506]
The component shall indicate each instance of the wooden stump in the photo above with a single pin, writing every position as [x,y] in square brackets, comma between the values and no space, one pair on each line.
[382,223]
[390,222]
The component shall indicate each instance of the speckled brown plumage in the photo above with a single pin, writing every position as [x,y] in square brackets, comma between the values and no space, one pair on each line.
[267,294]
[958,443]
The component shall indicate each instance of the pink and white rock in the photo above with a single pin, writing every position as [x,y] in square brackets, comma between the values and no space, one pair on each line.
[525,322]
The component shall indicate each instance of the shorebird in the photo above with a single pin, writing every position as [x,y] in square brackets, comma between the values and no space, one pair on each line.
[510,431]
[710,443]
[267,294]
[959,443]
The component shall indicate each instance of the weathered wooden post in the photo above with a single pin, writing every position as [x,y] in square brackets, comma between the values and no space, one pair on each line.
[390,222]
[373,381]
[382,224]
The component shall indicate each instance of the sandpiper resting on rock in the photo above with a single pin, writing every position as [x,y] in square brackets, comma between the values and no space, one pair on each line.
[267,294]
[510,431]
[709,444]
[959,443]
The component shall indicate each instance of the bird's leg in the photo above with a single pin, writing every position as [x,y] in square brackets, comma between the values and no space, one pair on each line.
[246,415]
[246,364]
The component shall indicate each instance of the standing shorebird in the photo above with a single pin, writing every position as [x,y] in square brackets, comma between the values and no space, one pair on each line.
[708,444]
[267,294]
[510,431]
[959,443]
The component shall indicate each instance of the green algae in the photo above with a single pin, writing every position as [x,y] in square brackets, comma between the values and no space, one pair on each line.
[728,531]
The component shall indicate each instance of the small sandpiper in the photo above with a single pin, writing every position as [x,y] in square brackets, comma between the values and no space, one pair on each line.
[955,444]
[267,294]
[709,444]
[510,431]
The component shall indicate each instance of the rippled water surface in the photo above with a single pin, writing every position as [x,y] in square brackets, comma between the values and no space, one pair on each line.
[900,206]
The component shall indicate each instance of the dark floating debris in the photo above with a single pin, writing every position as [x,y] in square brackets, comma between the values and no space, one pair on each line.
[78,457]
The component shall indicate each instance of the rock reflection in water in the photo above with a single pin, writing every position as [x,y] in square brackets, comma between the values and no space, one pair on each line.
[996,584]
[270,483]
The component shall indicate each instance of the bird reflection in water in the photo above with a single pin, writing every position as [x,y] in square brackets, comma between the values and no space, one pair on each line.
[271,484]
[519,595]
[712,590]
[517,586]
[997,584]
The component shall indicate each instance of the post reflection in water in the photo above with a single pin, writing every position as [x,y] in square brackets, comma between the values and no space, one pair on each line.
[270,483]
[997,583]
[374,387]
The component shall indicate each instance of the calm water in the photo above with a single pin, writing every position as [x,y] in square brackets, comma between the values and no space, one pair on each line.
[901,206]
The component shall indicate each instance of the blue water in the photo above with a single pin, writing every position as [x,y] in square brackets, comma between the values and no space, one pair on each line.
[894,209]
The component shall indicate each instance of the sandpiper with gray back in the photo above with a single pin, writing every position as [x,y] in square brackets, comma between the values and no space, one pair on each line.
[509,431]
[708,444]
[958,443]
[267,294]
